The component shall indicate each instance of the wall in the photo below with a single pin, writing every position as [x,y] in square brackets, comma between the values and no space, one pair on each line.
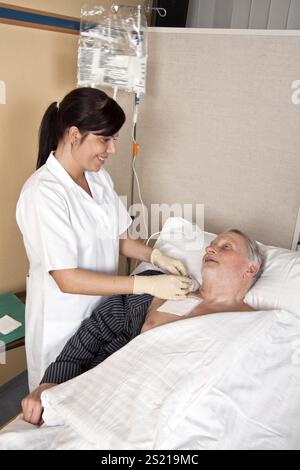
[239,80]
[252,14]
[219,128]
[38,67]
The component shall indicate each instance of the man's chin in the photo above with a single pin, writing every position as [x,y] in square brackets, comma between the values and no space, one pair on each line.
[210,270]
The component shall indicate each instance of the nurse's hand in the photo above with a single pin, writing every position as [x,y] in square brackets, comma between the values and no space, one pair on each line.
[163,286]
[172,265]
[32,405]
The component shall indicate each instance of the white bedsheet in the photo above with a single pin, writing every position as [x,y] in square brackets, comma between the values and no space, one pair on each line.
[19,435]
[222,381]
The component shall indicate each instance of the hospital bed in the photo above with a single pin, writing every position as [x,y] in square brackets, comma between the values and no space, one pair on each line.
[222,381]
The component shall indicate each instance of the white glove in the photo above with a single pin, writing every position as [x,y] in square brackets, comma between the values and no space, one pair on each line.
[162,286]
[172,265]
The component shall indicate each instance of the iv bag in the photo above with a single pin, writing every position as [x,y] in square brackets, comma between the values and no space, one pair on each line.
[113,48]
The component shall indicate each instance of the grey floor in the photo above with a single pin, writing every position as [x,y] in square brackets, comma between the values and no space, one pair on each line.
[11,395]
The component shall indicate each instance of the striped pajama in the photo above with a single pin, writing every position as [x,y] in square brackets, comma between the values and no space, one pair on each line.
[113,323]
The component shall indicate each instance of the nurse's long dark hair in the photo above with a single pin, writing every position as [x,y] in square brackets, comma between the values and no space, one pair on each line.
[88,109]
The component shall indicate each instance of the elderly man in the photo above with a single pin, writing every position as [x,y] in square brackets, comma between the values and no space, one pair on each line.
[232,264]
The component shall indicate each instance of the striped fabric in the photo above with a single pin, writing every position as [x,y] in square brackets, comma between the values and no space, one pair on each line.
[111,326]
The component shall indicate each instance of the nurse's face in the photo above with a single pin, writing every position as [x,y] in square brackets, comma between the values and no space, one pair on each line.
[92,152]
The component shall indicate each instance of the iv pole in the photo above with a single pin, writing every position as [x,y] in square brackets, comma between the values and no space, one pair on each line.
[162,12]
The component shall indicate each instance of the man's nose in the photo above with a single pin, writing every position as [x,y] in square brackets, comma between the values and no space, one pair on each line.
[211,249]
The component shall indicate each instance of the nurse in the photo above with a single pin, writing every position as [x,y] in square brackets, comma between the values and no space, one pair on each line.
[74,226]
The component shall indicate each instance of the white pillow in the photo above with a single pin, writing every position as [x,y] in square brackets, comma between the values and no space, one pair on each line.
[278,287]
[184,241]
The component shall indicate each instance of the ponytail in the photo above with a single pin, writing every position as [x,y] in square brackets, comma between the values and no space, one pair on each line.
[48,139]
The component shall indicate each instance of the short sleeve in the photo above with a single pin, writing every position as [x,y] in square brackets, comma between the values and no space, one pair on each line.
[44,220]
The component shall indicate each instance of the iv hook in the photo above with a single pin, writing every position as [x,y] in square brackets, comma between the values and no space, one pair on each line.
[161,11]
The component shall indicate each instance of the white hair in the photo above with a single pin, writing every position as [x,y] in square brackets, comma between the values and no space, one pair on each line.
[255,252]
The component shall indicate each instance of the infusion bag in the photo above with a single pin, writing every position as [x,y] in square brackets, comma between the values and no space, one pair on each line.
[113,48]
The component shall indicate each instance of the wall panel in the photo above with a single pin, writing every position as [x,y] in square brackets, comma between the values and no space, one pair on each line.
[219,128]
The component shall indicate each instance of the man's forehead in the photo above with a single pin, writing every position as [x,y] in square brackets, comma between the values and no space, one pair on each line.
[230,236]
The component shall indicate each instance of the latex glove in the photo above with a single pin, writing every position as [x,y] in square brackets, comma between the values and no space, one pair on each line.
[172,265]
[162,286]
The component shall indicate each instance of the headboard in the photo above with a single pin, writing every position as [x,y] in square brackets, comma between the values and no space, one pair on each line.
[218,126]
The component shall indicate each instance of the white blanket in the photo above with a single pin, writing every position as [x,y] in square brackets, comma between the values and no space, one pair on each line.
[222,381]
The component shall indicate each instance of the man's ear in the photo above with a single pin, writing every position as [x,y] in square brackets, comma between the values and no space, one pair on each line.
[252,270]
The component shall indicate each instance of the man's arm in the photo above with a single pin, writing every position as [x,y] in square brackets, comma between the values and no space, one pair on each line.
[79,351]
[74,359]
[77,354]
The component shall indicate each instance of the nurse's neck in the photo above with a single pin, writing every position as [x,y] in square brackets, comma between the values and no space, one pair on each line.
[64,155]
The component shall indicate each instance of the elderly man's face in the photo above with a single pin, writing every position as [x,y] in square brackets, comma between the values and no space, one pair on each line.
[226,256]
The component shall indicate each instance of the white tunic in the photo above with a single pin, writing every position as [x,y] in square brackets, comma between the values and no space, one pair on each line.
[63,228]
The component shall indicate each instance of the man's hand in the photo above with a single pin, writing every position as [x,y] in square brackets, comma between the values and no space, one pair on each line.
[32,405]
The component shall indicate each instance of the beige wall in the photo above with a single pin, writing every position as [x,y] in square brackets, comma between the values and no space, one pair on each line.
[38,67]
[219,128]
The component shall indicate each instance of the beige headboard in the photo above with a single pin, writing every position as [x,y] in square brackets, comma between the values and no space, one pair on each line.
[218,127]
